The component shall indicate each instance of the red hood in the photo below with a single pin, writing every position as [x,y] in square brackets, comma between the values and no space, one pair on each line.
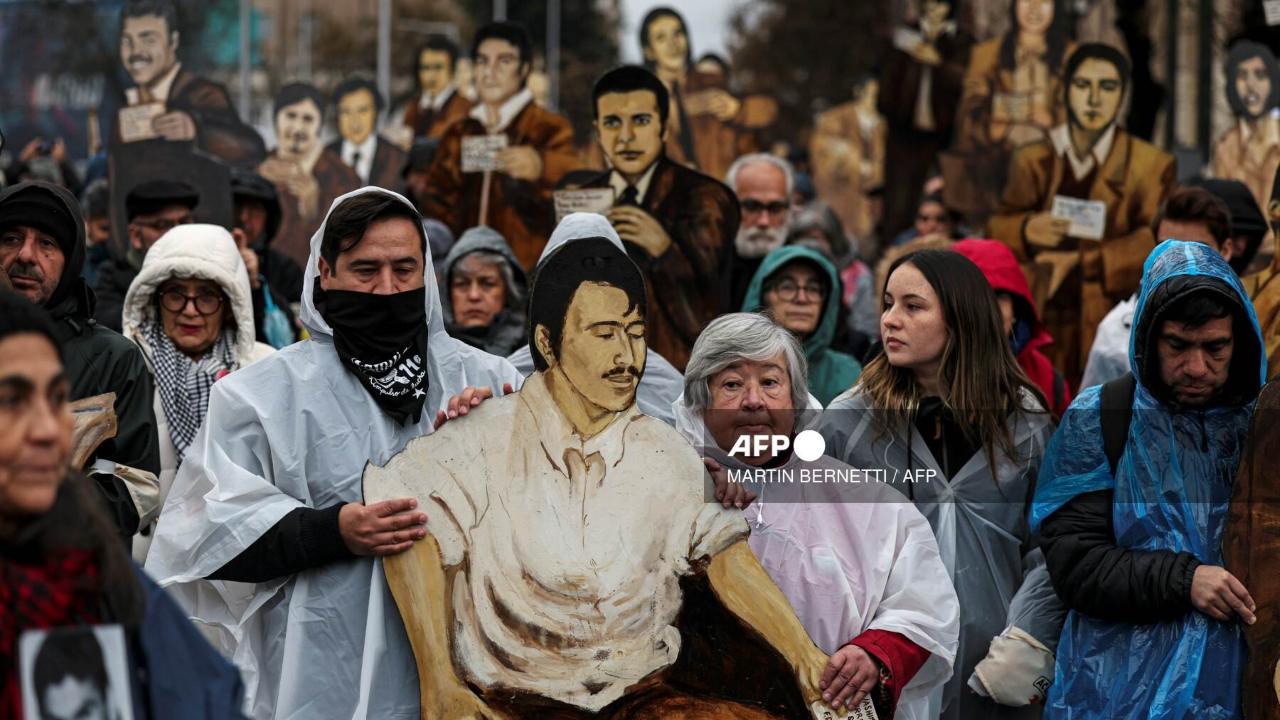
[998,263]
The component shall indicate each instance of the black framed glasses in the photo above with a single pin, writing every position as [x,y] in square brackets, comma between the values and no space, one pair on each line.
[789,290]
[755,207]
[175,301]
[164,225]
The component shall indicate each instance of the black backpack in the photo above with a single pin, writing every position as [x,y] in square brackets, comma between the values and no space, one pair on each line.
[1116,407]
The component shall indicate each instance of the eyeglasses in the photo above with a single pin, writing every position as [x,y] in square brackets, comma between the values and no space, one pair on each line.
[163,225]
[175,301]
[788,290]
[755,207]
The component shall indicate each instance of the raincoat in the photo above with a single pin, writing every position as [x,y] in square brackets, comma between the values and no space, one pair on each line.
[831,372]
[506,332]
[661,382]
[1172,489]
[979,519]
[296,430]
[811,539]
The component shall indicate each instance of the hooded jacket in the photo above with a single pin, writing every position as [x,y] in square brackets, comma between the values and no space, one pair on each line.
[207,252]
[831,372]
[293,432]
[1122,549]
[661,383]
[998,263]
[505,332]
[98,361]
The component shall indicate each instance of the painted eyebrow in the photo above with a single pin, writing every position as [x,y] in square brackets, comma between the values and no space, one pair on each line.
[604,323]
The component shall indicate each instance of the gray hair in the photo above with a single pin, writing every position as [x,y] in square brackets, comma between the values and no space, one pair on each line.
[731,177]
[743,336]
[515,294]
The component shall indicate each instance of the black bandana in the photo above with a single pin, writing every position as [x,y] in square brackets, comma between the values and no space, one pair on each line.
[382,340]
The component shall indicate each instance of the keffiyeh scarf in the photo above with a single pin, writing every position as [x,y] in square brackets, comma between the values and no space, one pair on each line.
[184,384]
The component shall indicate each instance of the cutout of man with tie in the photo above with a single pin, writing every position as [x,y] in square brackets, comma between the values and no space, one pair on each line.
[374,160]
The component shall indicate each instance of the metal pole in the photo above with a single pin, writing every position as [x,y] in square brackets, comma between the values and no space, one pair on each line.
[499,10]
[304,32]
[1171,73]
[246,7]
[1204,89]
[553,54]
[384,48]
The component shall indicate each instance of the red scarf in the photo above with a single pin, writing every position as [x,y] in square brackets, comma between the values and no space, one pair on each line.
[61,591]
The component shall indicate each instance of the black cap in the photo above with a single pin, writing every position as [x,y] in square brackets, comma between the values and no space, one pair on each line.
[155,195]
[247,184]
[1246,217]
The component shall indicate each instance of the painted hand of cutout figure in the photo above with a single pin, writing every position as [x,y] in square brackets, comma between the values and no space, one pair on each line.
[640,228]
[521,162]
[175,126]
[716,102]
[850,674]
[385,528]
[1046,231]
[926,54]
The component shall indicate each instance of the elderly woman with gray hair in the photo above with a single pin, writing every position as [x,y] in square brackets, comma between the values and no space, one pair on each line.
[860,567]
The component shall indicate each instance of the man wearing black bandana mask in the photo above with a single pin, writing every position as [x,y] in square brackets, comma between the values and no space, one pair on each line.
[269,492]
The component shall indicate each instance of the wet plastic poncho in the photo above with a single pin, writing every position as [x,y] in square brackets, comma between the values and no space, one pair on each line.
[296,430]
[1172,488]
[979,520]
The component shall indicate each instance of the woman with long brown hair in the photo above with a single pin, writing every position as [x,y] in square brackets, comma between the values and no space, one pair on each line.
[946,415]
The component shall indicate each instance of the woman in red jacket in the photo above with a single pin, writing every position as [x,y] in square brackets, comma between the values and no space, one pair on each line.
[1027,334]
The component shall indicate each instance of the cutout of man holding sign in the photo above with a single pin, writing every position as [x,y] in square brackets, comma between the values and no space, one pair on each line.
[678,224]
[498,166]
[1079,206]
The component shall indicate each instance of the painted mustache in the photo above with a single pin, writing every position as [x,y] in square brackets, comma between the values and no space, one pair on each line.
[139,59]
[631,370]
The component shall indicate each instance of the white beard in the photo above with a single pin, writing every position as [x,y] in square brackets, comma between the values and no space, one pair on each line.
[752,243]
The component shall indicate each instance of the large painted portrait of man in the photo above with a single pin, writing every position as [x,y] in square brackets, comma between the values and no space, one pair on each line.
[1250,150]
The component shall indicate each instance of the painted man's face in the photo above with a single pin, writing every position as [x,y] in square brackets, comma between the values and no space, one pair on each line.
[1034,16]
[357,115]
[499,72]
[1253,85]
[602,348]
[1094,95]
[668,45]
[148,48]
[630,130]
[434,72]
[298,129]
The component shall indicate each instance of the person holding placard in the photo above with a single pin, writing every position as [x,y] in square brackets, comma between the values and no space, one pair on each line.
[498,166]
[1079,206]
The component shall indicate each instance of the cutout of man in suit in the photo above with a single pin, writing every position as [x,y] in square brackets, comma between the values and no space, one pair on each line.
[439,101]
[1088,158]
[677,224]
[374,160]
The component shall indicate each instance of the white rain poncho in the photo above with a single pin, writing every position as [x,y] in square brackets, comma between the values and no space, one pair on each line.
[661,383]
[979,519]
[296,430]
[850,558]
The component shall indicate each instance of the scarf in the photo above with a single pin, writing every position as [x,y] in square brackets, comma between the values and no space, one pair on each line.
[184,384]
[382,341]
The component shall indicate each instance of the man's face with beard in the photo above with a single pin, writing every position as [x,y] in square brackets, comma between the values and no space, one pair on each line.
[1253,85]
[148,48]
[761,188]
[298,129]
[33,262]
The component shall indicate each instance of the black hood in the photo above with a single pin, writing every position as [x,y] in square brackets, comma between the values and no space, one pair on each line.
[55,211]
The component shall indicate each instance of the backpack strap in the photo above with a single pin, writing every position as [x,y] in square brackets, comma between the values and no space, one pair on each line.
[1116,407]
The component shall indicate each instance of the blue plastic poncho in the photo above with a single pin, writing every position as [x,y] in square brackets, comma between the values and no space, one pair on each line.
[1172,486]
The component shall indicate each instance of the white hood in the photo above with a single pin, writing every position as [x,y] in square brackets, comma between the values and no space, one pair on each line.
[579,225]
[207,252]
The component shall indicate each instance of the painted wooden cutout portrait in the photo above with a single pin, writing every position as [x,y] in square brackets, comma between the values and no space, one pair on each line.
[565,529]
[847,154]
[375,160]
[710,127]
[1012,97]
[1081,203]
[168,101]
[1250,150]
[438,102]
[307,175]
[676,222]
[499,165]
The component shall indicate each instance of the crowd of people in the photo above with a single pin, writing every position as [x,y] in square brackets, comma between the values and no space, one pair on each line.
[1084,411]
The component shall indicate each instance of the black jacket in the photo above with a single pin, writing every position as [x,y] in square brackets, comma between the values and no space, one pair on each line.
[115,274]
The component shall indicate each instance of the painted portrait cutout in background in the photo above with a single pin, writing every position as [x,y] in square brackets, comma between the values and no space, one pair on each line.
[710,127]
[75,673]
[1012,97]
[308,176]
[1250,150]
[847,155]
[550,579]
[440,100]
[1078,206]
[170,102]
[375,160]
